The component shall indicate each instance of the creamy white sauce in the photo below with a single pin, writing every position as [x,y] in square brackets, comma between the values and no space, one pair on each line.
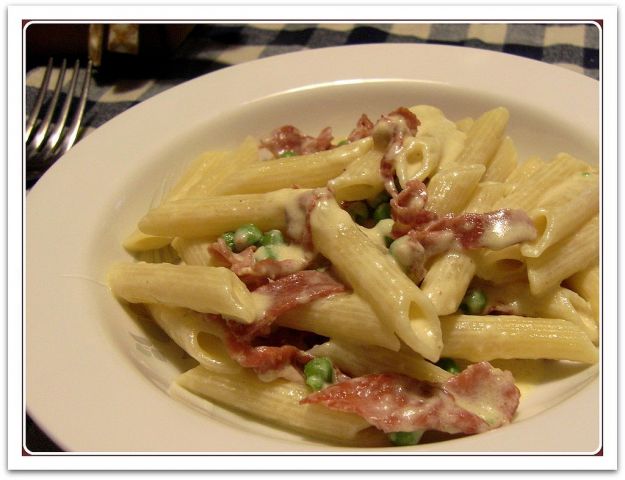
[435,125]
[261,303]
[505,233]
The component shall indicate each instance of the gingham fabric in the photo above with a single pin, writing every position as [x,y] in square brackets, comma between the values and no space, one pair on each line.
[210,47]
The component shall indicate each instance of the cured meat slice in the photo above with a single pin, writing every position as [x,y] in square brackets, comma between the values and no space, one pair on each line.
[478,399]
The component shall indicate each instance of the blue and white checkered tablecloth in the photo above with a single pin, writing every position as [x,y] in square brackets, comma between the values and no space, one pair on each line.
[209,47]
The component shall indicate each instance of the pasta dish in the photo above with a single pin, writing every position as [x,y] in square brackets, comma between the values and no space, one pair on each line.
[368,290]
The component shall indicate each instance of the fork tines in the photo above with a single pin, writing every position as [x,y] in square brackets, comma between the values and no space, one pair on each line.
[47,139]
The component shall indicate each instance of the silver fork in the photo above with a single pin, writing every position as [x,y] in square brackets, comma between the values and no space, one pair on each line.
[46,140]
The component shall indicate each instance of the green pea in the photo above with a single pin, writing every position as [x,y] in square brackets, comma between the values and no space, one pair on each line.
[401,439]
[381,212]
[246,236]
[359,211]
[229,239]
[342,142]
[473,302]
[315,382]
[319,367]
[272,237]
[288,153]
[448,364]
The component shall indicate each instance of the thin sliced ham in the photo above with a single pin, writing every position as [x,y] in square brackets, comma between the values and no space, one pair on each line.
[429,234]
[391,130]
[279,296]
[478,399]
[255,272]
[289,139]
[363,129]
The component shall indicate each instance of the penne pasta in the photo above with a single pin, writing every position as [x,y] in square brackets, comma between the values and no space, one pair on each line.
[275,402]
[204,289]
[528,193]
[484,137]
[524,170]
[460,266]
[501,266]
[305,171]
[360,180]
[587,285]
[343,316]
[437,144]
[559,302]
[331,290]
[195,251]
[200,339]
[198,180]
[376,278]
[211,216]
[503,163]
[489,337]
[445,295]
[450,190]
[358,360]
[563,211]
[564,259]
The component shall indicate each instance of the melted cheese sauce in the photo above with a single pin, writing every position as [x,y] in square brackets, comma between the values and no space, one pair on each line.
[504,233]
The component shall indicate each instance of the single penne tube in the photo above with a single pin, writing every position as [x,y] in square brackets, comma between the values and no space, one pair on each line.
[447,279]
[195,251]
[524,170]
[304,171]
[376,278]
[138,241]
[528,193]
[484,137]
[559,302]
[485,196]
[489,337]
[360,180]
[436,145]
[344,315]
[212,216]
[276,402]
[358,360]
[198,180]
[564,259]
[203,289]
[503,163]
[418,159]
[199,338]
[501,266]
[563,211]
[222,169]
[586,284]
[566,304]
[451,189]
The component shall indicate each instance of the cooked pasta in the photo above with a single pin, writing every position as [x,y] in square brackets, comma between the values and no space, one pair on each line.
[357,292]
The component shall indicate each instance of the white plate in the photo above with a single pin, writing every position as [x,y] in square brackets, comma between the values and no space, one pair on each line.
[94,377]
